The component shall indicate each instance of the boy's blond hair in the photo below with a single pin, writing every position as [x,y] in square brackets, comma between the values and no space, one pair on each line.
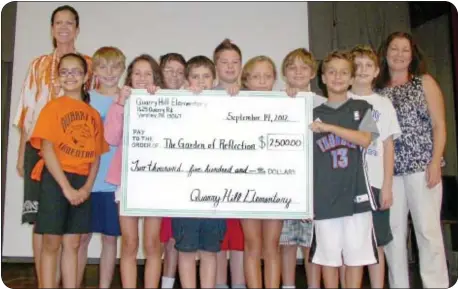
[199,61]
[248,67]
[110,54]
[364,50]
[344,55]
[302,54]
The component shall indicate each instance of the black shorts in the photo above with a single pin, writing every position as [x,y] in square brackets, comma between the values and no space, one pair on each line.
[381,220]
[56,215]
[31,187]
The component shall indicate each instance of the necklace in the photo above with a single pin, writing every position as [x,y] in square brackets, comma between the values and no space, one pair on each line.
[55,89]
[55,85]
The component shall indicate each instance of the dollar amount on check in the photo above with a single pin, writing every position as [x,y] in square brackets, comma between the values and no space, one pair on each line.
[215,156]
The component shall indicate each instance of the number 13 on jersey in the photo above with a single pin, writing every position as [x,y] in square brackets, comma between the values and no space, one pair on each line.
[339,158]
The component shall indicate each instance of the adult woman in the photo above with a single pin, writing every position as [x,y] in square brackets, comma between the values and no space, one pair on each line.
[417,185]
[40,86]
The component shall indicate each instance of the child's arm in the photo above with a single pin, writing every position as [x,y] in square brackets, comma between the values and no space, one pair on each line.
[114,123]
[85,191]
[366,133]
[386,193]
[362,138]
[53,166]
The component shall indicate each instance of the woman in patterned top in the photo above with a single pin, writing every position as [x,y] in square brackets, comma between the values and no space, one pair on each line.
[40,86]
[417,185]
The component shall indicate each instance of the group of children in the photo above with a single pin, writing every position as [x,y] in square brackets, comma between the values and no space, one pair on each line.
[79,136]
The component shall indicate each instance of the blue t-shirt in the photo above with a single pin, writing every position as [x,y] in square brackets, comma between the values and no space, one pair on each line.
[102,104]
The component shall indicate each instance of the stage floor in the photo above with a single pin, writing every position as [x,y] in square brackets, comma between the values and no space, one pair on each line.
[22,275]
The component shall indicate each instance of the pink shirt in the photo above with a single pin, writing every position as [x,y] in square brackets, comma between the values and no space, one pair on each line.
[113,131]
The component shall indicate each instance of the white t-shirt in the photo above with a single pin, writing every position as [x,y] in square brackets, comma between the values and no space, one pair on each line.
[385,117]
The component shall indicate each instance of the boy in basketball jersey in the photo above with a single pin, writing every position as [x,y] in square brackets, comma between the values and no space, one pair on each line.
[343,129]
[380,154]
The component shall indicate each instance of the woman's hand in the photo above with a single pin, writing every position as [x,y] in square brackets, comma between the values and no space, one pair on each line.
[433,174]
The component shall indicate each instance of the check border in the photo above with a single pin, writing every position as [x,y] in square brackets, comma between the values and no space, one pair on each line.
[140,212]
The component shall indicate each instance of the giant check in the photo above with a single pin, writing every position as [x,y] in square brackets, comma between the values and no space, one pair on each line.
[212,155]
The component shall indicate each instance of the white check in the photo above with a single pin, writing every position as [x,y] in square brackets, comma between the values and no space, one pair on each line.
[216,156]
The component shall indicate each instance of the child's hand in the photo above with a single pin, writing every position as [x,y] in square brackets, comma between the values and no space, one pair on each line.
[83,195]
[318,126]
[292,91]
[71,195]
[152,88]
[386,198]
[233,90]
[124,93]
[195,89]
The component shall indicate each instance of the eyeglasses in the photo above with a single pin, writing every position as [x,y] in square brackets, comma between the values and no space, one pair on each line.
[72,72]
[171,72]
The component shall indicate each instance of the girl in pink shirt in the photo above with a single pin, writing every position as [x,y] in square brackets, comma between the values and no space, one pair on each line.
[142,73]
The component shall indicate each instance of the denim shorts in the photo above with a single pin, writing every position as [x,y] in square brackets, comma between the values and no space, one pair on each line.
[196,234]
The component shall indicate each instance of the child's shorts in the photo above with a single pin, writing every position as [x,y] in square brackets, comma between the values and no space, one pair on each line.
[381,221]
[166,229]
[105,214]
[56,215]
[349,237]
[234,239]
[296,232]
[197,234]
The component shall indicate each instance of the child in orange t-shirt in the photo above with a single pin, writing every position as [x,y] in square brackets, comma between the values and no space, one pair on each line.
[69,135]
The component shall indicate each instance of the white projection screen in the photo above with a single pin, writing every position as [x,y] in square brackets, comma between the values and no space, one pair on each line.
[190,28]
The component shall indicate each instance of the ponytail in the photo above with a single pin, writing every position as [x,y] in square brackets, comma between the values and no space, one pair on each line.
[85,95]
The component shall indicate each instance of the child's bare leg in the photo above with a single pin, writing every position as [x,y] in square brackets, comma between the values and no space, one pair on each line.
[170,264]
[252,230]
[342,272]
[353,276]
[153,251]
[312,271]
[221,268]
[187,269]
[107,260]
[70,246]
[288,265]
[377,271]
[37,242]
[82,257]
[48,260]
[129,249]
[207,269]
[237,272]
[331,277]
[271,231]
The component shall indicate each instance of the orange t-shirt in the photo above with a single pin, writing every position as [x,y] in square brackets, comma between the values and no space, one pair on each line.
[76,131]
